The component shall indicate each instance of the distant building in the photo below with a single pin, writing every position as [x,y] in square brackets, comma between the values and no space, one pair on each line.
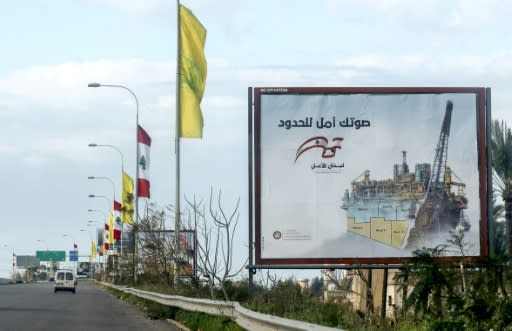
[303,283]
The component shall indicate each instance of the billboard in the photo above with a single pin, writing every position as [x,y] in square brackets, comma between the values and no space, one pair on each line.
[51,255]
[27,261]
[368,175]
[188,247]
[84,268]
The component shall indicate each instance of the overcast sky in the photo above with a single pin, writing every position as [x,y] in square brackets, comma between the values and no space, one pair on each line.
[52,49]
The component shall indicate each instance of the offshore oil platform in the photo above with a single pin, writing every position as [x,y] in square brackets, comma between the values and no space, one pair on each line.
[403,211]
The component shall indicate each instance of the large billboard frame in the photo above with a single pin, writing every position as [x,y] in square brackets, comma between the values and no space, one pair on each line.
[482,118]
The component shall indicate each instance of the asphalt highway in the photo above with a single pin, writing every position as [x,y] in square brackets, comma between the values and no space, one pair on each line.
[34,306]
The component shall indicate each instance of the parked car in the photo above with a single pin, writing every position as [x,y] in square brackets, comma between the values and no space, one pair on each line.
[65,280]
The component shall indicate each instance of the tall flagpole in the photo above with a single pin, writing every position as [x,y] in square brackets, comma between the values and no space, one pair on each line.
[177,152]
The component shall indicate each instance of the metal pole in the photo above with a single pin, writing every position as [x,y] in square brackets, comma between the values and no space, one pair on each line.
[136,145]
[177,152]
[250,196]
[384,294]
[490,219]
[13,265]
[122,171]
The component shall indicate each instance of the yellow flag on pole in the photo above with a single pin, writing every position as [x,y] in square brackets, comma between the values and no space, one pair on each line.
[192,78]
[93,250]
[128,200]
[111,218]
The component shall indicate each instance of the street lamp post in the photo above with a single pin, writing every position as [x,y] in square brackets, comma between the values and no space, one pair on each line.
[13,262]
[101,196]
[136,141]
[113,185]
[136,193]
[74,249]
[110,180]
[72,238]
[99,211]
[105,221]
[113,147]
[90,253]
[42,241]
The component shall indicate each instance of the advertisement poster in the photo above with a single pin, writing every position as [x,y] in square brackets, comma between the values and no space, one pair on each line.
[366,175]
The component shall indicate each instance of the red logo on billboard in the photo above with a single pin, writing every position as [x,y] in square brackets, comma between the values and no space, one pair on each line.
[322,143]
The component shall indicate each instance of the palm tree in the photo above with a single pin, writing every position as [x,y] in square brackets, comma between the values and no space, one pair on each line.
[501,137]
[431,282]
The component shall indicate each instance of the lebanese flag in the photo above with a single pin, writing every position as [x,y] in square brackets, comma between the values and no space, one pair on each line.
[118,224]
[106,237]
[144,143]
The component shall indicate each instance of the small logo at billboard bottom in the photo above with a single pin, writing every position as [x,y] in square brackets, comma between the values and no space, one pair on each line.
[277,235]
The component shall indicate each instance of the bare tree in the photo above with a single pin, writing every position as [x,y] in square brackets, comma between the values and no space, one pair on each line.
[216,233]
[155,245]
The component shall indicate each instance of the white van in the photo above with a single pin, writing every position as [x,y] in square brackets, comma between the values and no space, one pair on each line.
[65,280]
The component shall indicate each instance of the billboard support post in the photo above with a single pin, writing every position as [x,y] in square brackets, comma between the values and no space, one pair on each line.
[250,195]
[384,294]
[490,217]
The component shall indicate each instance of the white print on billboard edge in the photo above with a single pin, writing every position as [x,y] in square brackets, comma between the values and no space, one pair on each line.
[347,175]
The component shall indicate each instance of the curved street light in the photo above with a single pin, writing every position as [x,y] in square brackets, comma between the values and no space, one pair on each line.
[104,197]
[99,211]
[90,234]
[137,156]
[42,241]
[95,84]
[113,147]
[72,238]
[110,180]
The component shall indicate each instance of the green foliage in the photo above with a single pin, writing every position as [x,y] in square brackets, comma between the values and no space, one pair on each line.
[435,301]
[236,290]
[317,287]
[200,321]
[158,311]
[192,320]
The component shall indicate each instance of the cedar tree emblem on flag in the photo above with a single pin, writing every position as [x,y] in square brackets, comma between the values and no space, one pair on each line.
[144,143]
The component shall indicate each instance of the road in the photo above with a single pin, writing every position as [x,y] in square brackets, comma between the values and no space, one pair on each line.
[34,306]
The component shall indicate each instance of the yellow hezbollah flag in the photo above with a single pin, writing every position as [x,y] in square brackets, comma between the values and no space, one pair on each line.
[93,250]
[128,199]
[192,74]
[111,227]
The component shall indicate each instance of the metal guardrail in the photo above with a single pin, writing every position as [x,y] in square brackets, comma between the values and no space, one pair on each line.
[244,317]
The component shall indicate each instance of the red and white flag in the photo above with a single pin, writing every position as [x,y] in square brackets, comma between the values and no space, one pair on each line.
[106,236]
[118,224]
[144,143]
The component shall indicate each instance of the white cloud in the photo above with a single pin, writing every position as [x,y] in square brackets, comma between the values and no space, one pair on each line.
[224,102]
[52,99]
[138,6]
[64,86]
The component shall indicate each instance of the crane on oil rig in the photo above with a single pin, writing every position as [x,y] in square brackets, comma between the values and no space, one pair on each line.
[436,184]
[442,209]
